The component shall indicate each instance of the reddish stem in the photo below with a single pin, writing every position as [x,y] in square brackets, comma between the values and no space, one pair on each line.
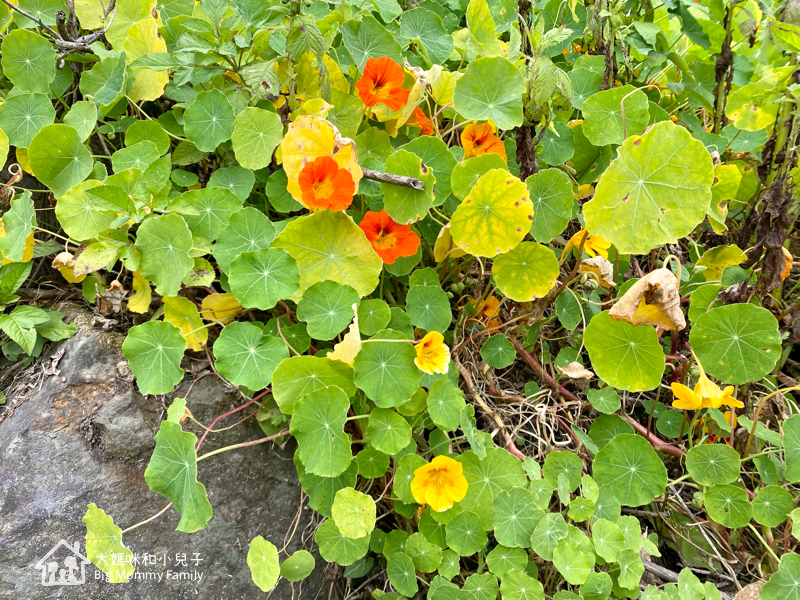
[536,366]
[656,442]
[227,414]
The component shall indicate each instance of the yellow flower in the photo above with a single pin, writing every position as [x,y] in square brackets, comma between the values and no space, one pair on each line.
[706,394]
[440,483]
[593,245]
[433,355]
[487,311]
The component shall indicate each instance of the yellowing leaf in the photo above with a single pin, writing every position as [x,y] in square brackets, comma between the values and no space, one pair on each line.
[128,12]
[414,98]
[182,313]
[315,108]
[442,84]
[347,350]
[727,179]
[22,159]
[220,307]
[653,300]
[144,39]
[90,13]
[309,138]
[716,259]
[307,76]
[27,253]
[335,74]
[444,247]
[140,301]
[65,263]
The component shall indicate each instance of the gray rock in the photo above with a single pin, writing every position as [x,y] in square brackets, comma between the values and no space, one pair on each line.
[76,431]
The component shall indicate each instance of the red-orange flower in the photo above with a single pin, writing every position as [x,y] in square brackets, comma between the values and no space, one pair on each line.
[479,138]
[388,238]
[324,185]
[382,83]
[419,119]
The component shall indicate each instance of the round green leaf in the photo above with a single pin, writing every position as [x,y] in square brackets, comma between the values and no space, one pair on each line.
[603,121]
[29,61]
[626,357]
[353,513]
[23,115]
[327,308]
[563,462]
[372,463]
[404,475]
[400,569]
[501,560]
[139,156]
[434,154]
[608,539]
[248,230]
[433,531]
[58,157]
[494,217]
[598,586]
[213,207]
[208,120]
[262,558]
[245,356]
[429,308]
[387,431]
[547,534]
[259,279]
[385,371]
[373,315]
[164,244]
[450,565]
[322,490]
[154,351]
[606,427]
[236,179]
[498,352]
[785,584]
[631,569]
[737,343]
[300,375]
[465,533]
[482,586]
[256,134]
[558,147]
[425,28]
[466,174]
[334,547]
[709,464]
[573,564]
[405,204]
[298,566]
[606,399]
[147,131]
[328,245]
[317,425]
[487,477]
[630,466]
[426,556]
[552,197]
[585,82]
[491,88]
[517,585]
[515,518]
[526,272]
[78,213]
[445,402]
[82,116]
[772,505]
[728,505]
[656,190]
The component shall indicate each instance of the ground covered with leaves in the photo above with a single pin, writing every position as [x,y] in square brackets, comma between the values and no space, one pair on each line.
[515,278]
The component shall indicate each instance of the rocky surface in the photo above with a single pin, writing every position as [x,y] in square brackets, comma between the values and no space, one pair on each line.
[76,431]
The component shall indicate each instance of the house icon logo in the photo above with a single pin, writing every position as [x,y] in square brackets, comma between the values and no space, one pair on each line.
[63,565]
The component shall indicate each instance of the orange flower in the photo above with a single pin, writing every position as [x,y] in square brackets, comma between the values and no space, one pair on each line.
[388,238]
[418,119]
[324,185]
[488,311]
[479,138]
[382,83]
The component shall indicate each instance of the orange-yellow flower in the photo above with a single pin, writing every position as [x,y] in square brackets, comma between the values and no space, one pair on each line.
[433,355]
[326,186]
[419,119]
[389,239]
[488,310]
[706,394]
[789,263]
[479,138]
[440,483]
[593,245]
[382,83]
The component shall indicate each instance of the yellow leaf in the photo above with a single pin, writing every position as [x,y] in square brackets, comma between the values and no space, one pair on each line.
[442,84]
[309,138]
[90,13]
[65,263]
[27,254]
[584,191]
[128,12]
[22,159]
[140,301]
[144,39]
[444,247]
[307,77]
[716,259]
[727,179]
[316,107]
[220,307]
[347,350]
[335,74]
[182,313]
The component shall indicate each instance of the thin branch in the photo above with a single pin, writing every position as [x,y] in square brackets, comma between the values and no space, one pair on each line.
[389,177]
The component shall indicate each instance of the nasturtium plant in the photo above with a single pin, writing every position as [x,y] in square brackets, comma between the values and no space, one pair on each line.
[514,282]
